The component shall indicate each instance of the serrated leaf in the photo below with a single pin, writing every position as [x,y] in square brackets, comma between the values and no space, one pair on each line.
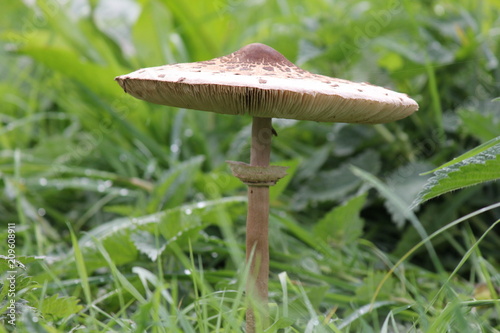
[342,225]
[178,225]
[469,154]
[59,307]
[479,168]
[146,243]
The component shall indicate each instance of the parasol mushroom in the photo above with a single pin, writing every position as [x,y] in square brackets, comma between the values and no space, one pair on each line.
[259,81]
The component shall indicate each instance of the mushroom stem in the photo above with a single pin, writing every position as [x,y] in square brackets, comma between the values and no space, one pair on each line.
[257,224]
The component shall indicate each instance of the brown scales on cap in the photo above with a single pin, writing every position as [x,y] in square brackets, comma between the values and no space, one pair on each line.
[259,81]
[257,54]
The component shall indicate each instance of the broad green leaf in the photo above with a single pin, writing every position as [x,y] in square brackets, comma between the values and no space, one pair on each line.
[469,154]
[17,262]
[171,221]
[120,249]
[342,225]
[56,307]
[480,167]
[148,244]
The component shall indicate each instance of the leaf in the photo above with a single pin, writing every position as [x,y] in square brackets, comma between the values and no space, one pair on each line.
[337,183]
[176,225]
[468,154]
[363,311]
[342,225]
[403,210]
[175,184]
[17,262]
[59,307]
[146,243]
[482,125]
[80,266]
[200,32]
[82,184]
[152,44]
[481,167]
[69,64]
[119,247]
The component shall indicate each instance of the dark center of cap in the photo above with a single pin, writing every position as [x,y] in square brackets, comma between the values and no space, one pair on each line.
[261,54]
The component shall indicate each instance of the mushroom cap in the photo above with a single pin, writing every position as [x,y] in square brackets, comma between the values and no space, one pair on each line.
[259,81]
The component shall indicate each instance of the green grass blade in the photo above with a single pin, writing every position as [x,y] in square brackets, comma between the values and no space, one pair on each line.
[404,211]
[82,270]
[120,278]
[461,264]
[422,242]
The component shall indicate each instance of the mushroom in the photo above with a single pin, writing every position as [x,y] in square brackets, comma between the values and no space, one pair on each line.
[259,81]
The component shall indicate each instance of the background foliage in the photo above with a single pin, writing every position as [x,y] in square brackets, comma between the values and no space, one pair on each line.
[126,217]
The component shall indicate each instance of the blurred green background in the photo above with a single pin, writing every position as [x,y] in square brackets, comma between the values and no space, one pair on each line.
[143,185]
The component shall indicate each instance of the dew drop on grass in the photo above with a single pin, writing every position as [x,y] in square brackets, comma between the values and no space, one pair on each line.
[188,211]
[123,192]
[174,148]
[187,272]
[41,212]
[188,133]
[101,187]
[214,254]
[201,205]
[43,181]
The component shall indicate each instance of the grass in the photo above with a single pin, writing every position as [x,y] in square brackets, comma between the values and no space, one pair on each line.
[126,217]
